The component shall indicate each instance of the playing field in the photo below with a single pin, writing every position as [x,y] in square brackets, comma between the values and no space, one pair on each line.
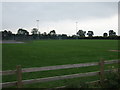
[56,52]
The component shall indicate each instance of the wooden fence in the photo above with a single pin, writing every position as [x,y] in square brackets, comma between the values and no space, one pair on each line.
[19,83]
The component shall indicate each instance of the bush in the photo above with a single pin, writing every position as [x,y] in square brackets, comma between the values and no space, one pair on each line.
[112,82]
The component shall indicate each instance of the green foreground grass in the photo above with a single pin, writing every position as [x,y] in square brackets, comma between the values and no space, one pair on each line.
[56,52]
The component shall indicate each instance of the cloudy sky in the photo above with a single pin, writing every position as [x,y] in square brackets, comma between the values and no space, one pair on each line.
[99,17]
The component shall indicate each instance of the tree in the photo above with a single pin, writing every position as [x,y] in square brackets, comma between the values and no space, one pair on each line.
[34,31]
[4,34]
[44,33]
[112,33]
[81,33]
[22,32]
[105,34]
[74,36]
[7,34]
[90,33]
[64,36]
[10,35]
[52,33]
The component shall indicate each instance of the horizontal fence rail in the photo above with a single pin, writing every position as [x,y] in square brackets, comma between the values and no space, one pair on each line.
[21,82]
[39,80]
[35,69]
[59,77]
[9,84]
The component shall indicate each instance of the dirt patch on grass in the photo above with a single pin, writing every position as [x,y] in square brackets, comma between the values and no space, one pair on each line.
[114,50]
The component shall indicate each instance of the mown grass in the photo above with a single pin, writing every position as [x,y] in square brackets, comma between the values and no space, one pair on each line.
[56,52]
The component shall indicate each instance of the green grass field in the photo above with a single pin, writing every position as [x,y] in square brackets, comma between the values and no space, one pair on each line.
[56,52]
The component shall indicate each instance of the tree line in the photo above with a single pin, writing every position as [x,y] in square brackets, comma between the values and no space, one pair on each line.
[23,34]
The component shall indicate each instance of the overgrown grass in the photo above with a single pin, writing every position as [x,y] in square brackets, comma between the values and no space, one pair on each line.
[56,52]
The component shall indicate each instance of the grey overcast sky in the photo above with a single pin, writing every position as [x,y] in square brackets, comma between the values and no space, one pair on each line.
[99,17]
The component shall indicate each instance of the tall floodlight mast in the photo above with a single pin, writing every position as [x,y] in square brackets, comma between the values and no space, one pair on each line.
[76,28]
[37,24]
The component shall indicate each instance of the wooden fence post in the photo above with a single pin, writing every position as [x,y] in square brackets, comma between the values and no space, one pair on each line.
[102,77]
[19,76]
[119,68]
